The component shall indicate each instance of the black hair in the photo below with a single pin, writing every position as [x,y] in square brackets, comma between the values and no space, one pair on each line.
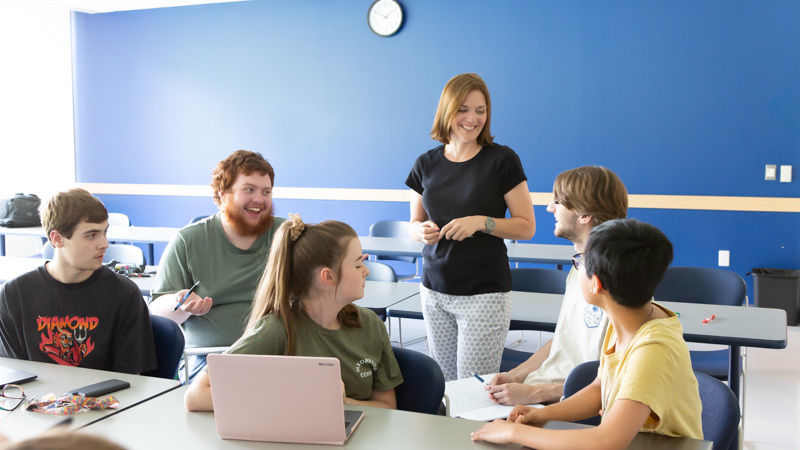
[630,259]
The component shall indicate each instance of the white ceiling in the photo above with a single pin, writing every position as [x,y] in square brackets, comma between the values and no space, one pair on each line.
[102,6]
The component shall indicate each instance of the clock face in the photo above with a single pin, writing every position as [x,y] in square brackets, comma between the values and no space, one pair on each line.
[385,17]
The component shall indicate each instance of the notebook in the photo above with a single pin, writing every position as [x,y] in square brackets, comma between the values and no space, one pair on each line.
[292,399]
[467,398]
[13,376]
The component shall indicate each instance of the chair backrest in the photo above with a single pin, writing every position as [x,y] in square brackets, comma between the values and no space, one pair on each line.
[47,250]
[580,377]
[549,281]
[169,341]
[118,220]
[124,253]
[199,218]
[701,285]
[720,411]
[392,228]
[422,389]
[380,271]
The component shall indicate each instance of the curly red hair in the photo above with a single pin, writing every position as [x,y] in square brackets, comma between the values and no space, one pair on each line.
[241,161]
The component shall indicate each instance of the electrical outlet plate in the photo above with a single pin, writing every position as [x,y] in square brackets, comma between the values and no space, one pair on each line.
[769,172]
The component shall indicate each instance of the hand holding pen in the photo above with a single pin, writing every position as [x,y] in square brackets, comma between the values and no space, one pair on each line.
[191,303]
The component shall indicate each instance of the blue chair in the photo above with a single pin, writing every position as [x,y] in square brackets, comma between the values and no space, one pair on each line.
[400,229]
[548,281]
[422,389]
[580,377]
[199,218]
[169,342]
[709,286]
[380,271]
[720,408]
[720,411]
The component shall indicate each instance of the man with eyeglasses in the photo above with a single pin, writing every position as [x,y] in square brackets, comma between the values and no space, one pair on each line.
[582,199]
[225,252]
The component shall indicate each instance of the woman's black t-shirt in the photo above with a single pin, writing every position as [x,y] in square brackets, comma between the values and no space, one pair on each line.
[479,264]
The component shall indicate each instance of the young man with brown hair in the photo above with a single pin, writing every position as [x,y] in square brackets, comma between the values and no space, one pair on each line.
[225,252]
[582,199]
[74,311]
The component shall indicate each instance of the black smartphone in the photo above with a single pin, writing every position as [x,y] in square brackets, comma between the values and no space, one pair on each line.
[101,388]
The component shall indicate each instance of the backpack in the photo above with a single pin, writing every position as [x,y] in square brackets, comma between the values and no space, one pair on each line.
[21,210]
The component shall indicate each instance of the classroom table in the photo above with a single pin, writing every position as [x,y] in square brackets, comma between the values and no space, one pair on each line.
[380,429]
[13,266]
[517,252]
[144,235]
[379,295]
[57,379]
[734,326]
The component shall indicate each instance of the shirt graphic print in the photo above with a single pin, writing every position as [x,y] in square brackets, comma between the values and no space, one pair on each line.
[66,340]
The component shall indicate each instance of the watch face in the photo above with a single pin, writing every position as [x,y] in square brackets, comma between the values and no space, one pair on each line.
[385,17]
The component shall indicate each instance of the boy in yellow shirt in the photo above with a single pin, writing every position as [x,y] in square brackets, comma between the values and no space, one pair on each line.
[645,381]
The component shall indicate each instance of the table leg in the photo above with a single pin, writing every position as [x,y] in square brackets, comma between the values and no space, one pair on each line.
[734,379]
[734,370]
[150,253]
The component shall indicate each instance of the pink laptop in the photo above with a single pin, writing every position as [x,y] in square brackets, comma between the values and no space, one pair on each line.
[293,399]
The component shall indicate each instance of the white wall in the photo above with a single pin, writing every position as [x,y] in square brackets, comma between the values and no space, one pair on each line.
[37,152]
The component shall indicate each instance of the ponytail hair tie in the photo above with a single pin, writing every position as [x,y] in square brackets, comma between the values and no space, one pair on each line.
[296,228]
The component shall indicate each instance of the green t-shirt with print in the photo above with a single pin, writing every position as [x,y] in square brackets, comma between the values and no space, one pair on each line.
[365,356]
[227,274]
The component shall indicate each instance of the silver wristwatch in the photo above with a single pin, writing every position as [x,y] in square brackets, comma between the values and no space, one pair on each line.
[490,225]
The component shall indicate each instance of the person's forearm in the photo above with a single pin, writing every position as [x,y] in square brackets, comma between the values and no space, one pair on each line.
[198,398]
[594,437]
[533,363]
[163,306]
[377,403]
[517,228]
[584,404]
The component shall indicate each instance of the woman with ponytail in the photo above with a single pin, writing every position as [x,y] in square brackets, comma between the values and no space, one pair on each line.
[303,307]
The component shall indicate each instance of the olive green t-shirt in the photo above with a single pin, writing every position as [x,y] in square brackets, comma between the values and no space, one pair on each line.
[365,356]
[227,274]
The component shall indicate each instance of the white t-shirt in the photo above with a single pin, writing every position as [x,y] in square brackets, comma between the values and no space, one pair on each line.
[578,337]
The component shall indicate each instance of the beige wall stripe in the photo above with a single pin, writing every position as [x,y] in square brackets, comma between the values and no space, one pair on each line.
[695,202]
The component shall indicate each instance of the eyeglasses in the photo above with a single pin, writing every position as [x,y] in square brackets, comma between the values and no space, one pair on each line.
[11,396]
[577,260]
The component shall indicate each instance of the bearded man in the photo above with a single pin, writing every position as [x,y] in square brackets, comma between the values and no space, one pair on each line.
[226,252]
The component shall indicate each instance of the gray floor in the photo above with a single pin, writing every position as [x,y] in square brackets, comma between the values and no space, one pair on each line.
[772,385]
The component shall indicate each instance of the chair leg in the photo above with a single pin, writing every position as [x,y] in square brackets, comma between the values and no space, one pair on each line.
[400,330]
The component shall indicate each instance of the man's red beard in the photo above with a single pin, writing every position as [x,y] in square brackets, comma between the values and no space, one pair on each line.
[237,219]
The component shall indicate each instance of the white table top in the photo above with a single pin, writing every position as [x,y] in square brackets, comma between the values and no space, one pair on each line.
[533,253]
[115,233]
[734,325]
[14,266]
[58,379]
[380,429]
[381,294]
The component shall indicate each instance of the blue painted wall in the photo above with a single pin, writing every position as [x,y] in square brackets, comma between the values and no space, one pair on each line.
[678,97]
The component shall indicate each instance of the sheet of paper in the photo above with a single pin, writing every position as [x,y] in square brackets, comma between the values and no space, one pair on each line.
[467,398]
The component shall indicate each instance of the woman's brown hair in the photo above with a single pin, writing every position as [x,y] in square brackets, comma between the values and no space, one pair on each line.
[453,95]
[297,252]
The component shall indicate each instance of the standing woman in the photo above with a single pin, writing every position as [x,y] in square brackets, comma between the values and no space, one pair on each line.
[461,192]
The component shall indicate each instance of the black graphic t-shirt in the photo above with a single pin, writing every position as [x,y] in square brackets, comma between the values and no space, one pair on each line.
[100,323]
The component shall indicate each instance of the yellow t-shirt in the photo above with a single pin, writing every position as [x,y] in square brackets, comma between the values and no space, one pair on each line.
[654,370]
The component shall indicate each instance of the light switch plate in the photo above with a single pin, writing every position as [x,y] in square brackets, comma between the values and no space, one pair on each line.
[724,259]
[769,172]
[786,174]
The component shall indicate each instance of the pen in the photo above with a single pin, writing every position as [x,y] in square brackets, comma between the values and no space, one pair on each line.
[191,289]
[478,377]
